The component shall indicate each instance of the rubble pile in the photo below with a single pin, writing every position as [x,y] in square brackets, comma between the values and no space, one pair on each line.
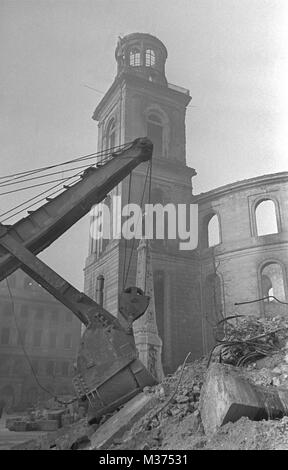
[172,415]
[258,350]
[176,412]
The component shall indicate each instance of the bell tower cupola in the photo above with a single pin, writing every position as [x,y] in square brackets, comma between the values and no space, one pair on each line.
[142,54]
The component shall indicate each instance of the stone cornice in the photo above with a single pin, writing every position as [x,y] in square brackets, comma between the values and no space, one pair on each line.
[273,178]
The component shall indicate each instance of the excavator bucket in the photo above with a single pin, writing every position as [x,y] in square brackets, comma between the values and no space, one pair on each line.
[108,372]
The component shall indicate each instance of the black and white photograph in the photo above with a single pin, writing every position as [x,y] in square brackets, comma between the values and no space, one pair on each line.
[143,227]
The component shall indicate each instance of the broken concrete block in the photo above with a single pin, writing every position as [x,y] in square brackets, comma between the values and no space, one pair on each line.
[122,421]
[48,425]
[227,396]
[19,426]
[11,421]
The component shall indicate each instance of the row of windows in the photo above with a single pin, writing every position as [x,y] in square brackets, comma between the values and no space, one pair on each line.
[37,338]
[19,366]
[265,221]
[272,285]
[135,57]
[40,314]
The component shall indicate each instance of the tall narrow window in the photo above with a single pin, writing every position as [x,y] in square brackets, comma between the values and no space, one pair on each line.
[7,309]
[155,134]
[52,339]
[35,366]
[67,341]
[210,234]
[107,221]
[159,290]
[266,220]
[134,57]
[111,134]
[21,339]
[37,336]
[65,369]
[213,231]
[149,58]
[50,368]
[5,335]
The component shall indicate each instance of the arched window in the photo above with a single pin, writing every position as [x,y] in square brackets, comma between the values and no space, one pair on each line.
[266,220]
[155,133]
[272,281]
[211,231]
[111,134]
[134,57]
[149,58]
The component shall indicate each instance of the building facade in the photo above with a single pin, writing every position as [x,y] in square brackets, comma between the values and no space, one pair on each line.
[193,289]
[35,331]
[243,249]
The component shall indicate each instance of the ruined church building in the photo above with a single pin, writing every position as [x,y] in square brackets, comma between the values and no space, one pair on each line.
[238,258]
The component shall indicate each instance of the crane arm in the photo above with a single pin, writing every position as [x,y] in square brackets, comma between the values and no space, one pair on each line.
[43,226]
[108,370]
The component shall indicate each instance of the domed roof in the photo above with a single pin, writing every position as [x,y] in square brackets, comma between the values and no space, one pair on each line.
[149,38]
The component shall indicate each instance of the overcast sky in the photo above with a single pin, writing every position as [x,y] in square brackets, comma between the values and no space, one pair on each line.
[231,54]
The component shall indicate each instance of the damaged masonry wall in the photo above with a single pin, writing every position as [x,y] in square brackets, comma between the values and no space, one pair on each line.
[248,256]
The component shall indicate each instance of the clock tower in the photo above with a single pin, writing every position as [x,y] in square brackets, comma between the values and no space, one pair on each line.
[139,103]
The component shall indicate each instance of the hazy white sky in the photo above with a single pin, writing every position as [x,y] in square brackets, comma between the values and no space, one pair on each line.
[231,54]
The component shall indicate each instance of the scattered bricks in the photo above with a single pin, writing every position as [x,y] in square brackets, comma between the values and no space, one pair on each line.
[227,396]
[122,421]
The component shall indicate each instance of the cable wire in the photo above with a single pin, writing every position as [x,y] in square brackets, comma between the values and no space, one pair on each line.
[67,162]
[101,163]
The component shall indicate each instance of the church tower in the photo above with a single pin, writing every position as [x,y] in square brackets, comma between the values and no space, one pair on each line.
[139,103]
